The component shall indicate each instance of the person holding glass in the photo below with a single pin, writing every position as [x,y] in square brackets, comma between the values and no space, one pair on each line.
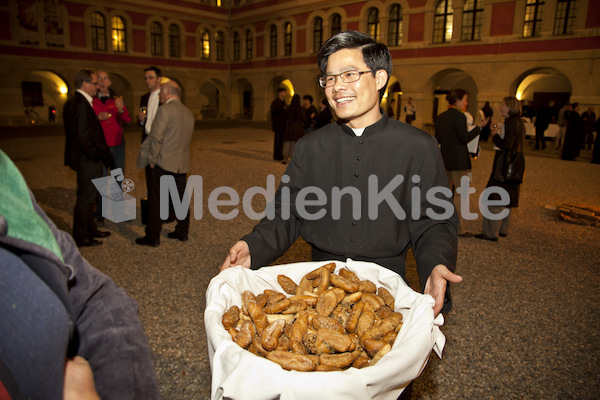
[514,133]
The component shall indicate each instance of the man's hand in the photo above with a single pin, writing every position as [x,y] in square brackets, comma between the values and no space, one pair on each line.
[239,254]
[79,380]
[483,122]
[436,285]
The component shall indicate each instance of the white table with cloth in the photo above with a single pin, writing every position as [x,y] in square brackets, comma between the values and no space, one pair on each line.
[239,374]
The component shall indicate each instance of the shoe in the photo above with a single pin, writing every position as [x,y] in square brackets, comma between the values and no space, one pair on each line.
[482,236]
[466,234]
[100,234]
[503,234]
[175,235]
[88,243]
[145,241]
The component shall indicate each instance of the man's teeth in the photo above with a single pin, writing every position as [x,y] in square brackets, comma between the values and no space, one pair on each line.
[345,99]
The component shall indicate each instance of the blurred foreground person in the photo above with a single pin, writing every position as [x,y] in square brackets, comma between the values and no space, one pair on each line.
[67,330]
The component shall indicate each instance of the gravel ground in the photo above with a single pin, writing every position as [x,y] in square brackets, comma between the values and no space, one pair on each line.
[525,320]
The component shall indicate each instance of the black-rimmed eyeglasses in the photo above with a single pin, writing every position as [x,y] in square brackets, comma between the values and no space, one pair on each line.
[346,77]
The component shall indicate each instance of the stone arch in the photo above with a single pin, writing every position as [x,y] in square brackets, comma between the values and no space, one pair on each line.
[539,85]
[54,93]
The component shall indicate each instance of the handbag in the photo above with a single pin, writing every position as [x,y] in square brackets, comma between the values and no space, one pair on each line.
[509,167]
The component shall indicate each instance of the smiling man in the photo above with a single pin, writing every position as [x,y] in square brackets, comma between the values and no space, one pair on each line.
[362,147]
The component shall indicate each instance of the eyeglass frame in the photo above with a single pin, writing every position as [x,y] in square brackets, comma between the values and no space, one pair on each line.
[324,84]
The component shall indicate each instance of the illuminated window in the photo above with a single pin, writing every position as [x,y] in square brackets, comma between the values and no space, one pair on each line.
[236,46]
[317,34]
[248,45]
[442,22]
[287,42]
[336,24]
[395,26]
[273,41]
[472,14]
[156,39]
[373,23]
[98,32]
[205,40]
[119,38]
[220,46]
[174,41]
[565,17]
[533,18]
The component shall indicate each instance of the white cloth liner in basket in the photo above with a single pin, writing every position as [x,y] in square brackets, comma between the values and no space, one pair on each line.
[240,375]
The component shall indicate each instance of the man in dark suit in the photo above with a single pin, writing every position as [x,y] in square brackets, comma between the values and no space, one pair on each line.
[86,152]
[278,123]
[150,101]
[166,152]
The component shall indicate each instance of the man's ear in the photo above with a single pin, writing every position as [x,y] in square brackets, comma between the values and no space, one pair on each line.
[381,78]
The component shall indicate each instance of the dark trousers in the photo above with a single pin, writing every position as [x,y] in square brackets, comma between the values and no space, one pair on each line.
[84,225]
[278,146]
[539,137]
[154,225]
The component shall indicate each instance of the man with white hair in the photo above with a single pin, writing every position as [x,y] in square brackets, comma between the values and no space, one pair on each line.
[166,151]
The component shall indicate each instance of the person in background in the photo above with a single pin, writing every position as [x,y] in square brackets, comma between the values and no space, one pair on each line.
[573,134]
[588,120]
[543,119]
[166,151]
[310,112]
[149,104]
[596,152]
[86,152]
[514,134]
[324,117]
[278,123]
[68,331]
[112,114]
[410,111]
[150,101]
[294,127]
[391,109]
[452,134]
[559,140]
[487,113]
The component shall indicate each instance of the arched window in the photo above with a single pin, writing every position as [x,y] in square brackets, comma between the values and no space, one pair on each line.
[533,18]
[273,41]
[205,39]
[336,24]
[156,39]
[373,23]
[442,22]
[119,37]
[220,46]
[287,42]
[98,32]
[395,26]
[248,44]
[565,17]
[317,34]
[174,41]
[236,46]
[471,25]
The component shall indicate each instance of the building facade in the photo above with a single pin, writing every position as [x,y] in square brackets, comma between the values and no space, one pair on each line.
[230,56]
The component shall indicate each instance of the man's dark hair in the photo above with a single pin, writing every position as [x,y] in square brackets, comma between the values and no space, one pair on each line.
[307,97]
[376,55]
[455,94]
[83,75]
[155,69]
